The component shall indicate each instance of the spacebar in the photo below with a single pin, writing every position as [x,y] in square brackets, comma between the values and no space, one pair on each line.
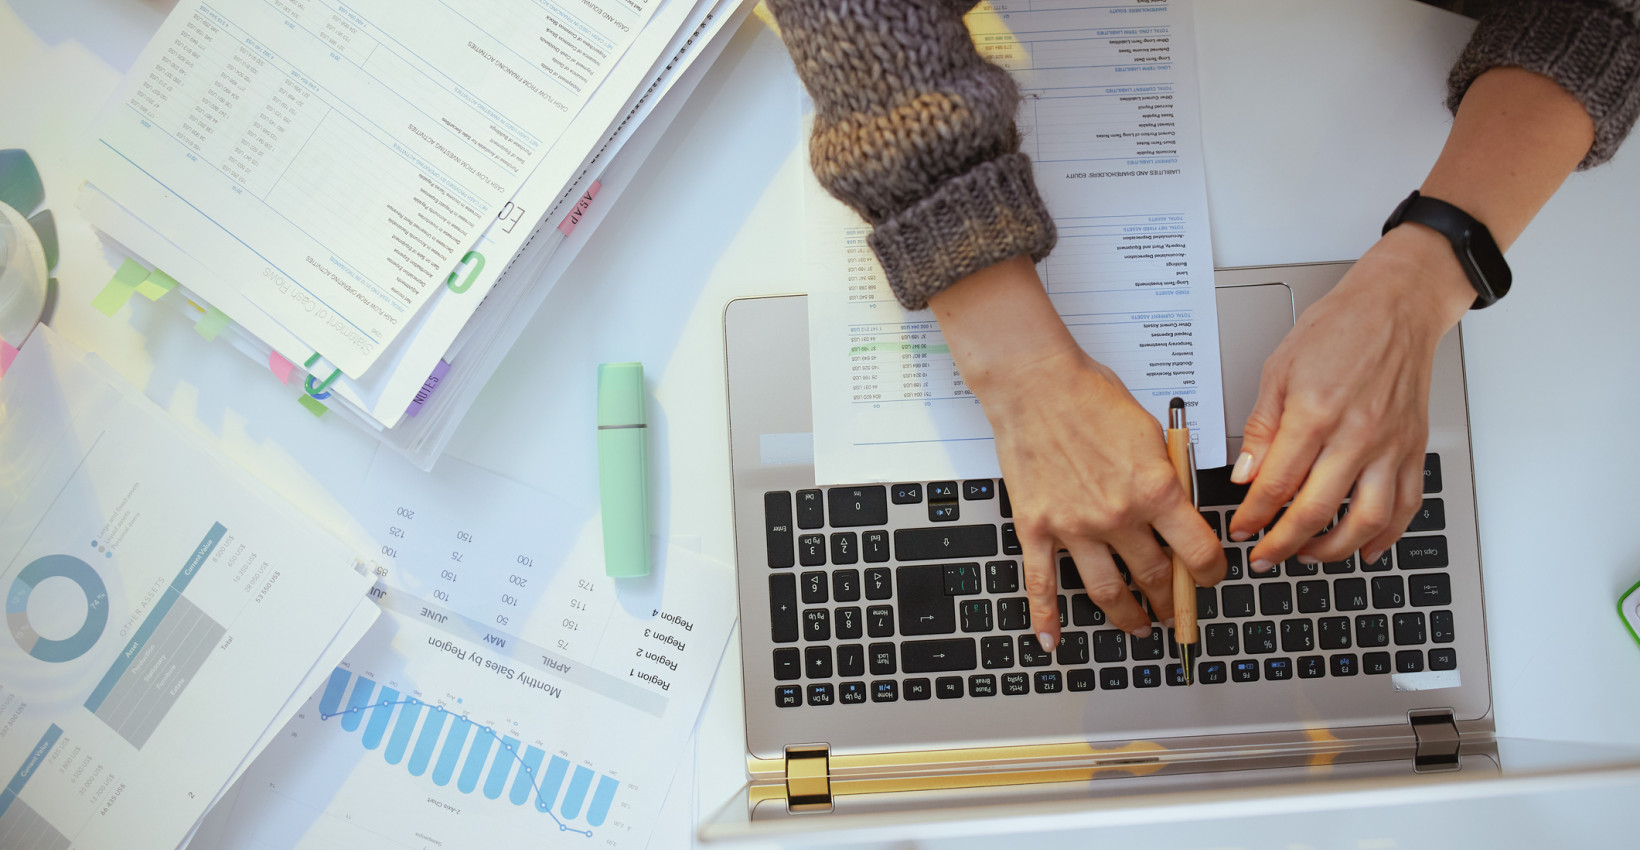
[937,656]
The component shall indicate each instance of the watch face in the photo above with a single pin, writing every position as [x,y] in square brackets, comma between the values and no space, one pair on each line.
[1484,257]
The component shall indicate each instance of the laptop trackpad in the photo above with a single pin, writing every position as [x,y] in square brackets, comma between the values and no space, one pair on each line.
[1252,321]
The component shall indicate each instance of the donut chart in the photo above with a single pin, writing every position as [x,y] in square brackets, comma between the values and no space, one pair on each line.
[96,608]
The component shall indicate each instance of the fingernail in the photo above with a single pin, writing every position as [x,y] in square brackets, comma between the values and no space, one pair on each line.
[1243,467]
[1168,622]
[1262,566]
[1308,559]
[1043,640]
[1240,536]
[1374,556]
[1142,632]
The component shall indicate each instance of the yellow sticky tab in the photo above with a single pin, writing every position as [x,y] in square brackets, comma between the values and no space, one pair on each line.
[155,285]
[119,289]
[212,323]
[313,405]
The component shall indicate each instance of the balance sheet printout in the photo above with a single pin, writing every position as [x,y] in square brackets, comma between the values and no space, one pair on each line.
[339,160]
[1109,119]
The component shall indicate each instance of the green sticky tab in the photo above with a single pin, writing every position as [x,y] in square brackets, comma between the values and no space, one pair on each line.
[155,285]
[313,405]
[212,323]
[119,289]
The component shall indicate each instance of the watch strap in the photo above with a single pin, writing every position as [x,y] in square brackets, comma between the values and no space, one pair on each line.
[1477,251]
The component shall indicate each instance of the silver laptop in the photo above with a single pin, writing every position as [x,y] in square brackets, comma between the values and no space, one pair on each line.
[890,666]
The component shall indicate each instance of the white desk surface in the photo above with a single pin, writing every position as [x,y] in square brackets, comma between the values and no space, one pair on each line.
[1319,115]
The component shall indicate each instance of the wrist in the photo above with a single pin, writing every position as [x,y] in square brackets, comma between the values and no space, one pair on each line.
[1430,276]
[999,324]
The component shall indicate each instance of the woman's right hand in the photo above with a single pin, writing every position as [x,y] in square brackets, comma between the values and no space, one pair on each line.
[1086,465]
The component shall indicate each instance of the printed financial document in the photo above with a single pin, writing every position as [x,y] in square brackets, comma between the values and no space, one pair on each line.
[334,163]
[511,694]
[1109,118]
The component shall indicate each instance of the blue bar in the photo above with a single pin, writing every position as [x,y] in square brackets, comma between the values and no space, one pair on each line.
[201,553]
[473,768]
[162,606]
[428,740]
[377,727]
[331,701]
[362,689]
[554,777]
[577,793]
[446,766]
[401,731]
[35,756]
[524,783]
[601,799]
[504,758]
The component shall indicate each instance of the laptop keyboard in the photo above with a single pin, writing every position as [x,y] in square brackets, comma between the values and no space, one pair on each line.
[862,612]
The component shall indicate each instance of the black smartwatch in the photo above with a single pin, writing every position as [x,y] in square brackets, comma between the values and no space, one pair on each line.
[1477,252]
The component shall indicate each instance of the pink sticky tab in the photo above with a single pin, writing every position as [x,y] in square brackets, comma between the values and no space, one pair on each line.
[8,353]
[280,366]
[567,226]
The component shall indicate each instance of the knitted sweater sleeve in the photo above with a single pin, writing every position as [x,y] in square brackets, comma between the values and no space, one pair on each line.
[915,132]
[1590,47]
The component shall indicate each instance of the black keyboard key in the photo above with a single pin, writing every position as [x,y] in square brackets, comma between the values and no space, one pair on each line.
[943,490]
[1314,597]
[1440,628]
[1383,563]
[1031,653]
[1174,675]
[1211,673]
[1173,642]
[1409,629]
[1084,612]
[1344,664]
[1233,566]
[1147,676]
[880,621]
[960,579]
[924,607]
[820,694]
[816,624]
[943,512]
[1148,649]
[1443,658]
[1080,680]
[997,652]
[1372,630]
[1215,521]
[875,546]
[1333,632]
[1064,612]
[1409,661]
[1230,518]
[783,607]
[788,664]
[1297,636]
[883,661]
[811,550]
[1049,682]
[811,511]
[1334,568]
[1350,594]
[1275,599]
[1010,540]
[1426,589]
[1014,684]
[938,656]
[1207,603]
[849,623]
[851,660]
[855,506]
[949,543]
[1109,646]
[1273,572]
[851,693]
[1072,649]
[1112,678]
[845,585]
[906,494]
[1375,663]
[1013,613]
[1007,506]
[1259,636]
[1431,516]
[817,662]
[982,685]
[1432,473]
[1238,600]
[1421,553]
[1002,576]
[879,583]
[845,547]
[1221,639]
[1069,578]
[885,691]
[918,689]
[978,490]
[814,588]
[1311,667]
[1244,670]
[1388,592]
[777,519]
[1298,568]
[975,615]
[1278,669]
[788,696]
[948,687]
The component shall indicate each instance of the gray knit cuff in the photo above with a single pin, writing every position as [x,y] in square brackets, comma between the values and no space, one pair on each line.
[968,223]
[1591,49]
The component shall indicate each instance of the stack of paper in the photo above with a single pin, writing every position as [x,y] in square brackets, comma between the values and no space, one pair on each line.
[374,197]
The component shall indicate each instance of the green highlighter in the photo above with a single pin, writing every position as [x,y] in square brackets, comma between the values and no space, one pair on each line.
[623,469]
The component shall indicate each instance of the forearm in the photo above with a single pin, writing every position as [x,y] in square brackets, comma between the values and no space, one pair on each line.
[997,322]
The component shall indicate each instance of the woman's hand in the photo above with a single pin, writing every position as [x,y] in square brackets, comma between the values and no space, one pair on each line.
[1086,466]
[1344,403]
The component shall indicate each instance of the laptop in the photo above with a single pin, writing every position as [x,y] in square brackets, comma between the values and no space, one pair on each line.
[892,677]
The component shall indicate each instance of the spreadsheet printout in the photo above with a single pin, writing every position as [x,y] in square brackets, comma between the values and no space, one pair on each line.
[1109,118]
[339,161]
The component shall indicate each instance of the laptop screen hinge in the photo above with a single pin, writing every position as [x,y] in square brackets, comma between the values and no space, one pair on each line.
[808,779]
[1438,741]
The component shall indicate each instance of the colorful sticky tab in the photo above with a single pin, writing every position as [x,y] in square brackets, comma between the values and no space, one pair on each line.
[577,212]
[120,288]
[427,387]
[8,353]
[313,405]
[212,323]
[156,284]
[280,366]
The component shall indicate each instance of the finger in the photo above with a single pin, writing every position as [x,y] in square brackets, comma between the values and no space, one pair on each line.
[1280,474]
[1368,516]
[1193,541]
[1314,505]
[1042,586]
[1262,424]
[1107,589]
[1152,571]
[1409,497]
